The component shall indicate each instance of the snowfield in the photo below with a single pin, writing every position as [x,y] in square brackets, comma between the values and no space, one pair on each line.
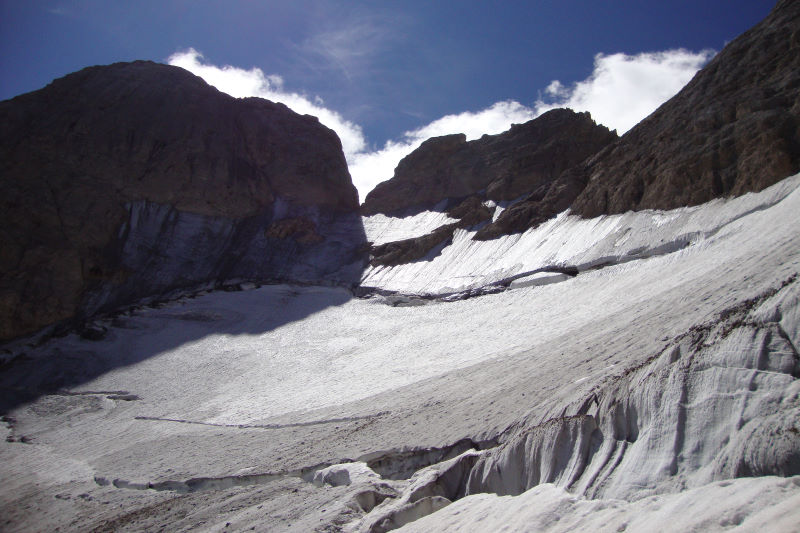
[655,388]
[563,241]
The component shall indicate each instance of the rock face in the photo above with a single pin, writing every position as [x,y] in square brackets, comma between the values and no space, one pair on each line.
[528,157]
[544,203]
[128,180]
[501,167]
[734,128]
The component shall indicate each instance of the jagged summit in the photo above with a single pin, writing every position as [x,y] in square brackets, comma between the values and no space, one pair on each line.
[499,167]
[735,128]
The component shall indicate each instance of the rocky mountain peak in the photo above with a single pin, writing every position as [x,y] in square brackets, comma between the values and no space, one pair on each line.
[735,128]
[499,167]
[159,132]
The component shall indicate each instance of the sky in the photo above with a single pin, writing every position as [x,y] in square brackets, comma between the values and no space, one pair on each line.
[386,75]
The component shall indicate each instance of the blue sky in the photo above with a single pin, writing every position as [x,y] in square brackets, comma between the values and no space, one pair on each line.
[389,71]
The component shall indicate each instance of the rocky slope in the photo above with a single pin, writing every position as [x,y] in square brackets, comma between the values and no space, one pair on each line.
[134,179]
[566,245]
[734,128]
[499,167]
[467,177]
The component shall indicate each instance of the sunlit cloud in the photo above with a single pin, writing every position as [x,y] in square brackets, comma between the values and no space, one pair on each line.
[620,92]
[623,89]
[367,168]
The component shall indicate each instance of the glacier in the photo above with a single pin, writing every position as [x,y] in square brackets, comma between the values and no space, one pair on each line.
[633,372]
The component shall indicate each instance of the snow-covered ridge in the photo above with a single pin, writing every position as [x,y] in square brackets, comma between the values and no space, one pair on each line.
[563,241]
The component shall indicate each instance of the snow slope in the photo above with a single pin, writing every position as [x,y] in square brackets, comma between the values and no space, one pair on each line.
[563,241]
[663,376]
[382,228]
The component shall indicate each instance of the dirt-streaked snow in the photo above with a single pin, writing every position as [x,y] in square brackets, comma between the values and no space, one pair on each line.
[666,368]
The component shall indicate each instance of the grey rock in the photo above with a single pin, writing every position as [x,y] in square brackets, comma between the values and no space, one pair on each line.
[733,129]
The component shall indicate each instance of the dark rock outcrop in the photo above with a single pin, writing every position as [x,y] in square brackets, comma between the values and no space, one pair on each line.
[734,128]
[413,249]
[128,180]
[470,212]
[500,167]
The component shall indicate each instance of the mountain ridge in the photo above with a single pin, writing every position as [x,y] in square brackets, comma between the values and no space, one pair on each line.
[739,124]
[498,167]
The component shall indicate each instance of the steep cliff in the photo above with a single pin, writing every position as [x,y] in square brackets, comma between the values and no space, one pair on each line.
[133,179]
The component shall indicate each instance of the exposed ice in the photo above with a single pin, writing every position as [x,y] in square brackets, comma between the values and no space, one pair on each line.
[657,388]
[756,504]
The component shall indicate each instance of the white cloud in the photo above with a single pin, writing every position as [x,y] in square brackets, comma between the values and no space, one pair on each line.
[349,43]
[367,168]
[623,89]
[620,92]
[239,82]
[555,89]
